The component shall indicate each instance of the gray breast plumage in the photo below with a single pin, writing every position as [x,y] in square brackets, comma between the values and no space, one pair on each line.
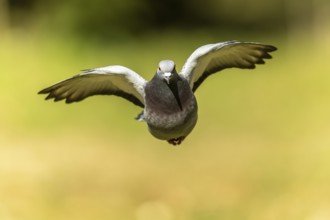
[171,110]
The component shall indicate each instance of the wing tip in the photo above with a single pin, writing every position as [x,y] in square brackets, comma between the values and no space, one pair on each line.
[50,95]
[46,91]
[68,101]
[271,48]
[43,91]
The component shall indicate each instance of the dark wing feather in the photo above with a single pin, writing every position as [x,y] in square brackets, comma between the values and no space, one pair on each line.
[213,58]
[111,80]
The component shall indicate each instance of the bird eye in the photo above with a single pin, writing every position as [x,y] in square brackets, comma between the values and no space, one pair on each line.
[159,69]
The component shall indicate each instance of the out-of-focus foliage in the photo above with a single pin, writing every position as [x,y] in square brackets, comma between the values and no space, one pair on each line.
[103,18]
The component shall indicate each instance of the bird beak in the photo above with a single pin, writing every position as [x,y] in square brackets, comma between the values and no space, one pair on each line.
[167,77]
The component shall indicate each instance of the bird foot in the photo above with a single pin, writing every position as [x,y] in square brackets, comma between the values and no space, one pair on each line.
[140,117]
[176,141]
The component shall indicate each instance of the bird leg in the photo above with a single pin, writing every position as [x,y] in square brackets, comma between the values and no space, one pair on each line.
[176,141]
[140,117]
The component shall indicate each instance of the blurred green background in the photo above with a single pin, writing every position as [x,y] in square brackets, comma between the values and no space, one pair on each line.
[261,148]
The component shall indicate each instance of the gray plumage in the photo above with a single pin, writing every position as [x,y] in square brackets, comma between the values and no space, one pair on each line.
[170,107]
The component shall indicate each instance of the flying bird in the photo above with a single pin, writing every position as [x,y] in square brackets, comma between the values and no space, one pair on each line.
[168,100]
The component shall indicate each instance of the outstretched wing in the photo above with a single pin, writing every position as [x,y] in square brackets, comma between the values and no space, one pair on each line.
[211,58]
[110,80]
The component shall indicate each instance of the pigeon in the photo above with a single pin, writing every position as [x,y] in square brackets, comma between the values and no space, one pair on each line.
[168,101]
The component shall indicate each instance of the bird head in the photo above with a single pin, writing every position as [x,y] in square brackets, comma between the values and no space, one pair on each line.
[166,70]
